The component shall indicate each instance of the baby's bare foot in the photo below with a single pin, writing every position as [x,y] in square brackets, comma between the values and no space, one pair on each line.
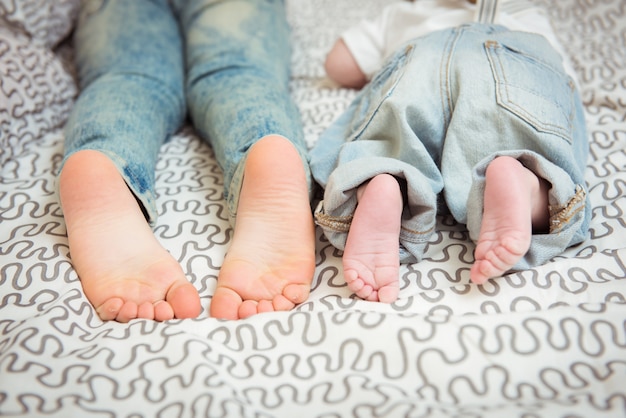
[371,260]
[516,201]
[270,263]
[124,271]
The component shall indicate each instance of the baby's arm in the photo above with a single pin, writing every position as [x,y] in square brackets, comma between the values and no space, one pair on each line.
[360,51]
[342,68]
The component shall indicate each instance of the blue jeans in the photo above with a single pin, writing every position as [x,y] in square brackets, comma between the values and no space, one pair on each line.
[142,63]
[438,113]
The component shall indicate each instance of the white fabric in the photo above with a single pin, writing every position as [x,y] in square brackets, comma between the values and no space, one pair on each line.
[546,342]
[372,41]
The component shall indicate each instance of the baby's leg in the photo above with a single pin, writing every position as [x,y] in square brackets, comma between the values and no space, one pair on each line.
[270,263]
[516,203]
[124,271]
[371,260]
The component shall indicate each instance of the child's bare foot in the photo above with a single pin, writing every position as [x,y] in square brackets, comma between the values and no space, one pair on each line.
[516,203]
[124,271]
[270,263]
[371,260]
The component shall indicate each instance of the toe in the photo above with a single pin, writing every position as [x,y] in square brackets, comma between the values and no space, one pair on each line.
[127,312]
[184,301]
[388,294]
[281,303]
[225,304]
[296,293]
[248,308]
[110,309]
[373,297]
[163,311]
[146,310]
[265,306]
[356,285]
[365,292]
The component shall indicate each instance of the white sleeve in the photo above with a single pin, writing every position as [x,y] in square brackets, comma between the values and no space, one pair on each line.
[371,42]
[366,43]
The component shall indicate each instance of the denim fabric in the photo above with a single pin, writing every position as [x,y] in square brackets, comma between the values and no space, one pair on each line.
[439,111]
[141,62]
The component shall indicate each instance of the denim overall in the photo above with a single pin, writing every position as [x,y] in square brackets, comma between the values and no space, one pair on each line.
[439,111]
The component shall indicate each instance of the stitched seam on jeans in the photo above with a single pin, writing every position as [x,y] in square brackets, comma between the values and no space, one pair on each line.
[414,232]
[338,224]
[444,75]
[415,237]
[561,215]
[503,95]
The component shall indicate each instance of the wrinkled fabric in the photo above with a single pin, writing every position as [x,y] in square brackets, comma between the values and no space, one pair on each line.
[438,113]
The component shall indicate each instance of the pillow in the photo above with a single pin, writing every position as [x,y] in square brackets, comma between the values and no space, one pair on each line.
[47,22]
[36,92]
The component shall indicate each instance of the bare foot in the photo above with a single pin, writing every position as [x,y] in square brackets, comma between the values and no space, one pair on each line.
[371,260]
[270,263]
[124,271]
[516,202]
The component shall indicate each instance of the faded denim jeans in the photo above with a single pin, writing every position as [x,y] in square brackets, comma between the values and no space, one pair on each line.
[143,63]
[437,114]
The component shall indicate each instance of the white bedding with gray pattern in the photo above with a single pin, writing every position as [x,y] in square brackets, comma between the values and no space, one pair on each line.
[547,342]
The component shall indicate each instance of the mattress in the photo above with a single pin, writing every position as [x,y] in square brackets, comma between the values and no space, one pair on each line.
[544,342]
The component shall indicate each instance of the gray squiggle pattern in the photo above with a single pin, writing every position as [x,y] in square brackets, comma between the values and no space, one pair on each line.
[547,342]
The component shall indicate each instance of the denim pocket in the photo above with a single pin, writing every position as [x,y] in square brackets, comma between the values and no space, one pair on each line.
[532,88]
[378,90]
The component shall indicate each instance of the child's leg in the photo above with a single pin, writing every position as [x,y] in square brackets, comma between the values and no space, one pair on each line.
[132,100]
[125,273]
[371,260]
[270,263]
[515,205]
[239,99]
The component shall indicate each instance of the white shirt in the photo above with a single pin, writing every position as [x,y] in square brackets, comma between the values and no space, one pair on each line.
[371,42]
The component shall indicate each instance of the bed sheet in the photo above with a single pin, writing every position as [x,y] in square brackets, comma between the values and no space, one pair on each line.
[546,342]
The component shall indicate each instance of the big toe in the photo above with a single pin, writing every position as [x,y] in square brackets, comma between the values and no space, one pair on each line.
[184,300]
[225,304]
[389,293]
